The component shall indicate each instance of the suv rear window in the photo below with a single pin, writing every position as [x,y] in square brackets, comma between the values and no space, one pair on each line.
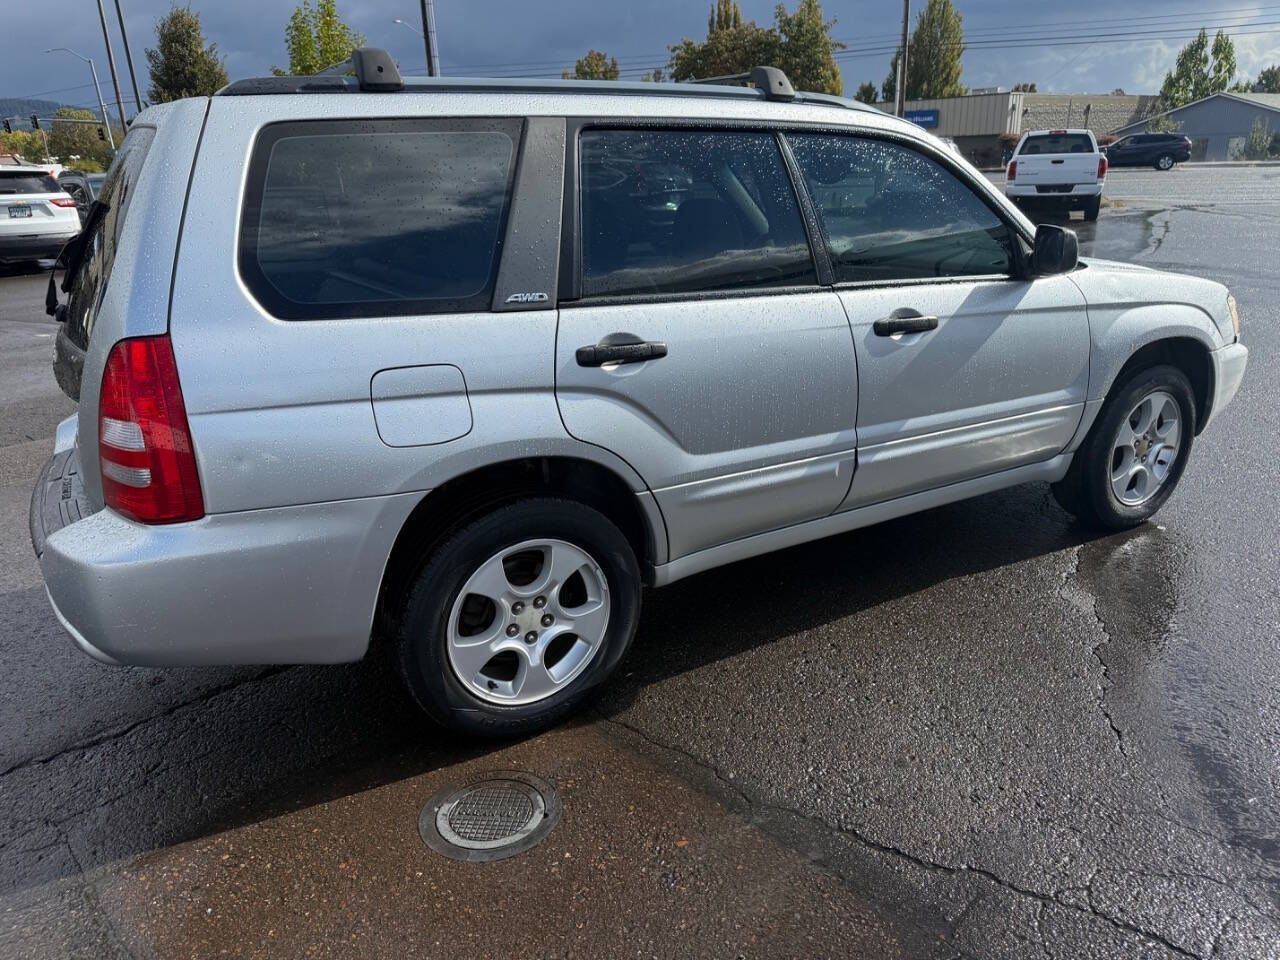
[375,218]
[90,281]
[24,181]
[667,211]
[1057,143]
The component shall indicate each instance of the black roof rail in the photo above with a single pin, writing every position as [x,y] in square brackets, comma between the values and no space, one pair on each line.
[771,80]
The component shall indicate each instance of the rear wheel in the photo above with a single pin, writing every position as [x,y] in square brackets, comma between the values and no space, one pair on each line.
[518,617]
[1092,208]
[1134,455]
[1164,161]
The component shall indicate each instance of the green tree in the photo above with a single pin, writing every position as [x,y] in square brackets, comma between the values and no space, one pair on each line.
[799,43]
[317,38]
[67,140]
[1268,80]
[1200,71]
[1164,124]
[594,66]
[866,93]
[934,52]
[1257,146]
[21,143]
[181,64]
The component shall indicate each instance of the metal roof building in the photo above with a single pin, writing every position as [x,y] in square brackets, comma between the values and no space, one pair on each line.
[1218,124]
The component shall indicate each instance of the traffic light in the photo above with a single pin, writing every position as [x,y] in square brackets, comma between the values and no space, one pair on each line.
[8,127]
[101,135]
[35,123]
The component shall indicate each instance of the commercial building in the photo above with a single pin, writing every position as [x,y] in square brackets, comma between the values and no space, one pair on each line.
[1219,124]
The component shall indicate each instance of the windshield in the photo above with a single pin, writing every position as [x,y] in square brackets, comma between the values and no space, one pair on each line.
[1057,143]
[26,181]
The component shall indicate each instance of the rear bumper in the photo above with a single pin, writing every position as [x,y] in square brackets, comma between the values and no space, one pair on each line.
[37,246]
[1229,363]
[1080,196]
[285,585]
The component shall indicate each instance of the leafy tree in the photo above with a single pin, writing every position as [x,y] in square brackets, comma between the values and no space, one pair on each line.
[866,93]
[1024,88]
[181,64]
[317,38]
[1200,71]
[653,76]
[1257,146]
[21,143]
[799,43]
[1164,124]
[78,139]
[1268,80]
[934,52]
[594,66]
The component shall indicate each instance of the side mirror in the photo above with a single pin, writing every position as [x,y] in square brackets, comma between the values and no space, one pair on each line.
[1057,250]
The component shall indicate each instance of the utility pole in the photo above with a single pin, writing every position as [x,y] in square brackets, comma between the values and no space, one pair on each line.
[111,65]
[128,58]
[429,37]
[902,61]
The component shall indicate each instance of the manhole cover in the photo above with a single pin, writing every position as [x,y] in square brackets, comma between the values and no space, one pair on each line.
[505,813]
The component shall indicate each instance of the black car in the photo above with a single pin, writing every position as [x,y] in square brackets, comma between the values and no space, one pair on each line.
[1160,150]
[83,187]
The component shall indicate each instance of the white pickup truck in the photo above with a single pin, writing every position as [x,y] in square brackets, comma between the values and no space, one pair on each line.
[1060,169]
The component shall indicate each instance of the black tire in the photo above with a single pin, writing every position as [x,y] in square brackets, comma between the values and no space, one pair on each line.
[1164,162]
[1086,489]
[422,633]
[1094,206]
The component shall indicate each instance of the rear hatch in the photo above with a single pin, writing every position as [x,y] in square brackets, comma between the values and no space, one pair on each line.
[1057,160]
[33,204]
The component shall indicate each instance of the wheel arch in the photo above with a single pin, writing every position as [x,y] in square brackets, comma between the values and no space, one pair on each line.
[469,495]
[1187,354]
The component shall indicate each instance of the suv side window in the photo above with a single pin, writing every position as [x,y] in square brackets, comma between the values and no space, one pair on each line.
[890,213]
[675,211]
[373,218]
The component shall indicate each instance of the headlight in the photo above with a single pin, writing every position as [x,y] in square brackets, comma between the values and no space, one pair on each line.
[1235,316]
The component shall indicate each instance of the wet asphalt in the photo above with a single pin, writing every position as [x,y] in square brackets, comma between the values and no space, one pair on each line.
[976,732]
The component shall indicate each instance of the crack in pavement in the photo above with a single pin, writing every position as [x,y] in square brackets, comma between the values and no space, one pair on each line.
[1086,601]
[951,870]
[123,731]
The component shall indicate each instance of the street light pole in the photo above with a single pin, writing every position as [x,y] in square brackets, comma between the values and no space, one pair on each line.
[901,107]
[97,89]
[111,65]
[430,38]
[128,58]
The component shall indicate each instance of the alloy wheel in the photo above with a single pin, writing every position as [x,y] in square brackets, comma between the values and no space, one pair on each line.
[1145,448]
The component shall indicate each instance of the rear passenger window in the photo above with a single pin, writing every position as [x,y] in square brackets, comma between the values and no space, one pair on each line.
[684,211]
[372,218]
[890,213]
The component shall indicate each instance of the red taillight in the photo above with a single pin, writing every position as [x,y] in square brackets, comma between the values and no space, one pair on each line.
[1013,170]
[1102,167]
[144,444]
[62,201]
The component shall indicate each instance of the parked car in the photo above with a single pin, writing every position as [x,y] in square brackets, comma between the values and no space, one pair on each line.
[551,342]
[82,187]
[1061,170]
[1159,150]
[37,217]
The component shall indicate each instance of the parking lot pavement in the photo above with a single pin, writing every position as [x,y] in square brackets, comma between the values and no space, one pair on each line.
[976,732]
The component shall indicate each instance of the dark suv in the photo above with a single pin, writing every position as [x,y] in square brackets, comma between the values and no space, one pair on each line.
[1160,150]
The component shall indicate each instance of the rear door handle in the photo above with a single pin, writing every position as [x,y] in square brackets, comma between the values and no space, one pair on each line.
[636,352]
[897,322]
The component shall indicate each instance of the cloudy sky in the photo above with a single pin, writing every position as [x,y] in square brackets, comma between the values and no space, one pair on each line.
[1086,46]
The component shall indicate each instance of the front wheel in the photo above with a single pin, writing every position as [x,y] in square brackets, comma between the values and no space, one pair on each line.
[1134,455]
[1164,162]
[518,617]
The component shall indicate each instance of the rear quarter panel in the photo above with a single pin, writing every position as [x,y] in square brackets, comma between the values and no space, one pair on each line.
[135,301]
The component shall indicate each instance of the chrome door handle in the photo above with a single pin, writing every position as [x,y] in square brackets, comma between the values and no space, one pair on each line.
[902,322]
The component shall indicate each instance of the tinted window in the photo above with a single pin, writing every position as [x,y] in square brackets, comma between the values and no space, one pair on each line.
[684,211]
[90,280]
[890,213]
[25,182]
[366,218]
[1057,143]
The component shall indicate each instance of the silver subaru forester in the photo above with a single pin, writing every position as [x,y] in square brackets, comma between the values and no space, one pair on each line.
[464,364]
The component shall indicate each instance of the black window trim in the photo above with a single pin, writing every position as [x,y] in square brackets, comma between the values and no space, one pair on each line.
[570,285]
[282,308]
